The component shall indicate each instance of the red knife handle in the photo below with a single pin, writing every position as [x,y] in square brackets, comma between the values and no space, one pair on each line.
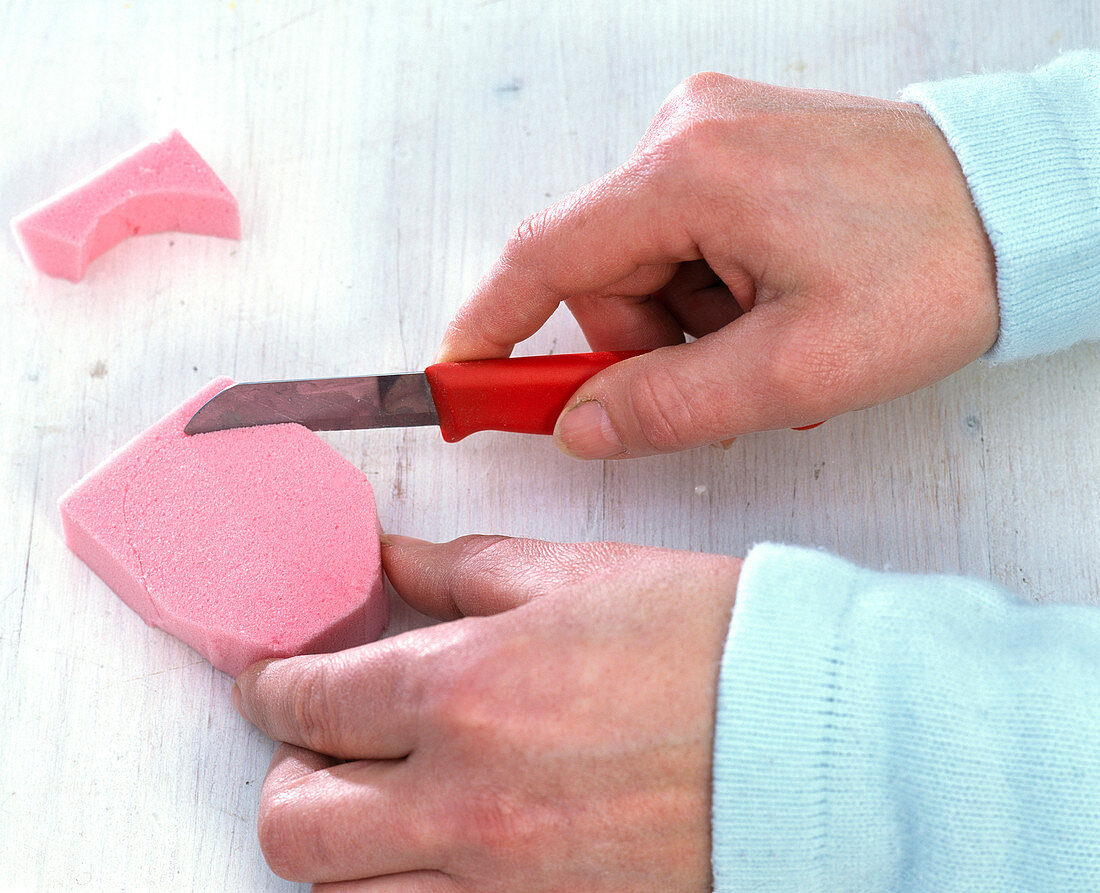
[520,394]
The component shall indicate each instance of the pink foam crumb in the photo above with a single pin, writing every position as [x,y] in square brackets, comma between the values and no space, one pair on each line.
[163,185]
[246,544]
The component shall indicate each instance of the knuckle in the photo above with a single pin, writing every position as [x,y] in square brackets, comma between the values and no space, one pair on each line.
[464,706]
[531,247]
[493,566]
[709,112]
[669,416]
[530,231]
[494,823]
[705,85]
[460,710]
[477,553]
[486,559]
[692,137]
[309,707]
[687,148]
[699,89]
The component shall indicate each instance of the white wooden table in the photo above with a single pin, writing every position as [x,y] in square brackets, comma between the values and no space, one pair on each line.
[381,152]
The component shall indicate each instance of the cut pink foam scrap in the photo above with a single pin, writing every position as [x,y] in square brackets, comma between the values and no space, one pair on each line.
[160,186]
[245,544]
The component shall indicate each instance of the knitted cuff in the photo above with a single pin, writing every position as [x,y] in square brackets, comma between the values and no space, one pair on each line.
[1029,145]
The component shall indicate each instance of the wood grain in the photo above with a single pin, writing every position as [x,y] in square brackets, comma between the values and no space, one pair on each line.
[381,153]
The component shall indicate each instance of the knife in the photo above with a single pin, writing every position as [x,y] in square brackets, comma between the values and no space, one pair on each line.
[519,394]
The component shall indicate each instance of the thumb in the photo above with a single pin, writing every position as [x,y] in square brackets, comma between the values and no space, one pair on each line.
[755,374]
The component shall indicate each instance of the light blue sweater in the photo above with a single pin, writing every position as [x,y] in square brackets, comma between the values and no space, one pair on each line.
[892,732]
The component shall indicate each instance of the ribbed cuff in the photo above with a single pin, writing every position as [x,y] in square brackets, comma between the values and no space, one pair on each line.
[1029,145]
[798,789]
[885,731]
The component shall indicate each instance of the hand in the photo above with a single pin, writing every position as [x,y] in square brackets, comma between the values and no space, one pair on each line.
[823,248]
[558,737]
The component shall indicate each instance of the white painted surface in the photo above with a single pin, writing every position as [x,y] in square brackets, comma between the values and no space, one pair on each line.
[381,152]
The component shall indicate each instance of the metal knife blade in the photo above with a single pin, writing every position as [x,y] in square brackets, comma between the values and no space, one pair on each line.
[321,404]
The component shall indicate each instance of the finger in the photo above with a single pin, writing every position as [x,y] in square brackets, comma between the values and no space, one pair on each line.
[344,821]
[351,704]
[625,316]
[406,882]
[703,301]
[689,277]
[597,237]
[289,764]
[703,311]
[622,322]
[481,575]
[757,373]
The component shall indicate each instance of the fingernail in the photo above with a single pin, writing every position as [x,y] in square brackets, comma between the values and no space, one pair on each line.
[235,694]
[394,539]
[585,431]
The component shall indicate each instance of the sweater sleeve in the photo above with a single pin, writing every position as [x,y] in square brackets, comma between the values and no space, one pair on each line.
[1029,145]
[880,731]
